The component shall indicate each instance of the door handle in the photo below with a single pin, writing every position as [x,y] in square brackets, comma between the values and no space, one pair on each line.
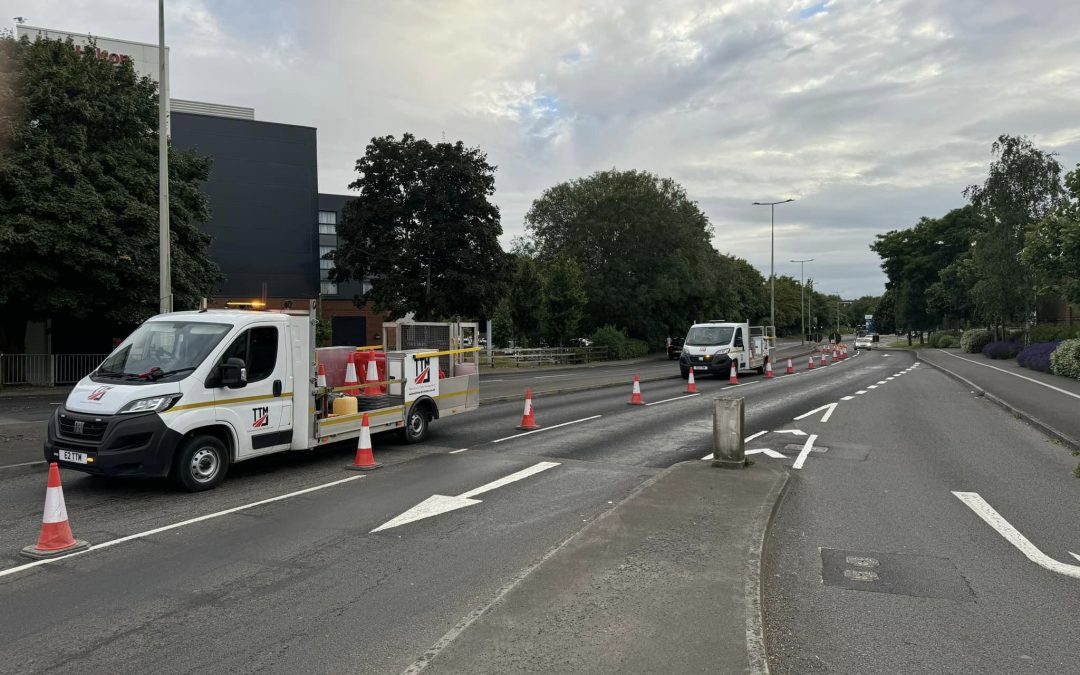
[277,387]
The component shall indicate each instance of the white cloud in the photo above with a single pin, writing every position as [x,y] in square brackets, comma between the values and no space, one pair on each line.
[870,113]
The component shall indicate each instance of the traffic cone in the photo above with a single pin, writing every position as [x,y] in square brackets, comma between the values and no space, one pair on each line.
[373,376]
[823,363]
[55,538]
[811,367]
[691,387]
[768,370]
[635,397]
[350,375]
[790,368]
[365,458]
[528,421]
[843,352]
[320,379]
[733,378]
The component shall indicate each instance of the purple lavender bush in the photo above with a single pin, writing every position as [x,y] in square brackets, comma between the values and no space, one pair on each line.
[1001,349]
[1037,356]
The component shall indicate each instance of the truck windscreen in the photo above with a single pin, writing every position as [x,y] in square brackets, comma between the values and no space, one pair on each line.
[162,351]
[704,336]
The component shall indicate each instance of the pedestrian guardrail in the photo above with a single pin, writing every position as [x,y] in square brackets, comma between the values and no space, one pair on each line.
[46,370]
[539,356]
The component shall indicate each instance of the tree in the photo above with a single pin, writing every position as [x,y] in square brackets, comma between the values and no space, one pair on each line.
[564,299]
[1052,248]
[1023,187]
[79,192]
[642,244]
[526,300]
[502,325]
[423,229]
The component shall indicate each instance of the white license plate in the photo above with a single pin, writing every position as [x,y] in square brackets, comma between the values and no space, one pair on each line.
[69,456]
[701,367]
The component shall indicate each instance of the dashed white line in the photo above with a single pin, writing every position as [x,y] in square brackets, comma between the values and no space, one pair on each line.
[846,398]
[806,448]
[555,426]
[454,452]
[873,386]
[881,381]
[668,400]
[860,392]
[890,378]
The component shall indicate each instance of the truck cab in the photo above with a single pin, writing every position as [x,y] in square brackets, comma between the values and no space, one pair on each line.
[712,347]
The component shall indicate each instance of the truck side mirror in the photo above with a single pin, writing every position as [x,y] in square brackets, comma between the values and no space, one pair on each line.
[231,374]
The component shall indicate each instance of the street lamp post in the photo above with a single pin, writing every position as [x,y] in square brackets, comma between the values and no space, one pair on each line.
[772,256]
[802,299]
[165,298]
[838,303]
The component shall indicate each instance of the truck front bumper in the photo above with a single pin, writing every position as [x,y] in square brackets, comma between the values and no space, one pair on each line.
[138,445]
[718,365]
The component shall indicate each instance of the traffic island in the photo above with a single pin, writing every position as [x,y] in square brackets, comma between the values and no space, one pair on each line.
[668,581]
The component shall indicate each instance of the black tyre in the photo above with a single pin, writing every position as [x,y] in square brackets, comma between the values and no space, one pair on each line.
[416,425]
[201,463]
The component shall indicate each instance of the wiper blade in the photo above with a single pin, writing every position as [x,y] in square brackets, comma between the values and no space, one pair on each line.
[166,373]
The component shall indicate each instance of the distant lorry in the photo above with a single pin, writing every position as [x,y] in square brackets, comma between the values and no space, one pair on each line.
[187,394]
[712,347]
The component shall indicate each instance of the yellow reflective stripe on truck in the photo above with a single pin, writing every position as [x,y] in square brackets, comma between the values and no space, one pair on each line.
[227,401]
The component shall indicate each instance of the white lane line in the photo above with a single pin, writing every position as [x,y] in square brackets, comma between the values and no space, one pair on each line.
[860,392]
[1074,555]
[890,378]
[12,466]
[881,381]
[548,377]
[846,398]
[556,426]
[166,528]
[1013,536]
[668,400]
[873,386]
[745,440]
[454,452]
[487,380]
[829,407]
[801,459]
[1029,379]
[797,432]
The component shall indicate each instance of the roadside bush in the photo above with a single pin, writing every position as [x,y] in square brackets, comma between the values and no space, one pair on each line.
[945,341]
[611,337]
[972,341]
[1048,332]
[1002,349]
[1014,335]
[1037,356]
[1066,359]
[634,348]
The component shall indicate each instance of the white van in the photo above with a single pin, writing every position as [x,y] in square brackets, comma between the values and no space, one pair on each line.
[712,347]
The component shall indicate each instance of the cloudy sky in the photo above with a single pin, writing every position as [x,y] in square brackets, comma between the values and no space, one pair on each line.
[868,113]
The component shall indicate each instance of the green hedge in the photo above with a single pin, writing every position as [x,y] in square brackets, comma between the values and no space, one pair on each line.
[944,342]
[1048,332]
[973,341]
[619,345]
[1065,360]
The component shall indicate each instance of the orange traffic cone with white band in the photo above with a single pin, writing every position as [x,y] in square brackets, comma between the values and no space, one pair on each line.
[528,420]
[768,369]
[56,538]
[733,378]
[365,458]
[691,387]
[320,378]
[350,375]
[635,396]
[373,376]
[823,363]
[790,368]
[811,366]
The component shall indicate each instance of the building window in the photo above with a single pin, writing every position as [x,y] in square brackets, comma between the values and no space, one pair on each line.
[328,288]
[327,222]
[325,264]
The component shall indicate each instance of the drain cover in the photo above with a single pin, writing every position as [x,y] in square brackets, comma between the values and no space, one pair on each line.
[920,576]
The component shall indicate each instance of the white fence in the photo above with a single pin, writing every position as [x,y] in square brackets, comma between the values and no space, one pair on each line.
[46,370]
[545,356]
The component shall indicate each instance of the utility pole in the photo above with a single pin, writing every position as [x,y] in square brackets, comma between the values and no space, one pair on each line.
[164,254]
[802,299]
[772,256]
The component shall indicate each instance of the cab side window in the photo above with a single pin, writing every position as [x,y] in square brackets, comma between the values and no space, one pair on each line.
[258,348]
[738,337]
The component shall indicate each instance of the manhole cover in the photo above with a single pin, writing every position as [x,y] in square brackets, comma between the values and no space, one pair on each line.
[920,576]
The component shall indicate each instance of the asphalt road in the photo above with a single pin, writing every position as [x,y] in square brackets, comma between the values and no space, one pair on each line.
[874,565]
[302,583]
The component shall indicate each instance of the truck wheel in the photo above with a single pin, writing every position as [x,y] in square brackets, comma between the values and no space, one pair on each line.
[201,463]
[416,425]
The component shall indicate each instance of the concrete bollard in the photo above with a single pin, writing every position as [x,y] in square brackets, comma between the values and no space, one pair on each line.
[729,450]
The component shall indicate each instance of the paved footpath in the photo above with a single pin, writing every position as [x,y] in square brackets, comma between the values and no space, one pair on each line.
[1048,402]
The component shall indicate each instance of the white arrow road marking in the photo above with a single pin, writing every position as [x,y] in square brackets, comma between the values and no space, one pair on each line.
[806,448]
[797,432]
[436,504]
[829,407]
[1074,555]
[1013,536]
[745,440]
[765,451]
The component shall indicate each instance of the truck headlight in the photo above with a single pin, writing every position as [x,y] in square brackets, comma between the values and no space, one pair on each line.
[153,404]
[721,352]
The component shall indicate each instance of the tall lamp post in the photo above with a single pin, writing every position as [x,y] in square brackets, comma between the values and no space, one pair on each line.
[838,303]
[165,296]
[802,299]
[772,257]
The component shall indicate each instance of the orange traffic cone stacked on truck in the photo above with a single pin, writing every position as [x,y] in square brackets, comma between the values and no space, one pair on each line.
[350,376]
[55,538]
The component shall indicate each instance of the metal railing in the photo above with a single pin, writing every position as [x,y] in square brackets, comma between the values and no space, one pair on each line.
[46,370]
[516,358]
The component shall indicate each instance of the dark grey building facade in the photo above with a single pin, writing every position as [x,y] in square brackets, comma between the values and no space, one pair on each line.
[263,193]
